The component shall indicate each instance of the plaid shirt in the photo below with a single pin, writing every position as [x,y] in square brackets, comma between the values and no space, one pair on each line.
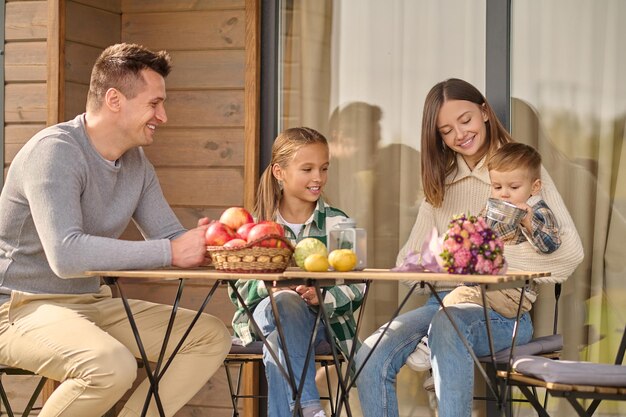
[340,301]
[544,235]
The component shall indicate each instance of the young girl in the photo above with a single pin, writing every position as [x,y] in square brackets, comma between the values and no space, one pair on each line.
[290,193]
[459,132]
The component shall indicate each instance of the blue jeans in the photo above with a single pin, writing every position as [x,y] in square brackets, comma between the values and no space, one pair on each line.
[297,321]
[377,381]
[452,364]
[453,367]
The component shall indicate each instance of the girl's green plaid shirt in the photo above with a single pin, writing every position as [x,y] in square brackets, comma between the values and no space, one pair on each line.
[340,301]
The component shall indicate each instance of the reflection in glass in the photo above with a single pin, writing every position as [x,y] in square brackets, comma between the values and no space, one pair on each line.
[358,71]
[569,101]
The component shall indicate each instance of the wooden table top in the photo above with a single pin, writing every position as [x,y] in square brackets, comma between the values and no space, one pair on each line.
[295,273]
[387,275]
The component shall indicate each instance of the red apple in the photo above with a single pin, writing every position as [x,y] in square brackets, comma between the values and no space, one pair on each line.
[235,217]
[235,243]
[244,230]
[267,228]
[218,233]
[278,229]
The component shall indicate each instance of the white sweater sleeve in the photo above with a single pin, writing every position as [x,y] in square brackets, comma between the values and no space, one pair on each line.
[424,223]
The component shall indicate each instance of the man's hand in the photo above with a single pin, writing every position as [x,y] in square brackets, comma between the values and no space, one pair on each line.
[204,221]
[189,250]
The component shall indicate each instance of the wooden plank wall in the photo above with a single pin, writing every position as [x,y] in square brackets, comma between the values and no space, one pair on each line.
[25,108]
[199,154]
[87,28]
[206,156]
[25,105]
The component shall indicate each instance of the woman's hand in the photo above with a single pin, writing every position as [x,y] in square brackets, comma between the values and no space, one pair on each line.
[308,294]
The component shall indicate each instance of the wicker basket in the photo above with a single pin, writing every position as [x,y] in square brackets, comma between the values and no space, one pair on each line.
[252,257]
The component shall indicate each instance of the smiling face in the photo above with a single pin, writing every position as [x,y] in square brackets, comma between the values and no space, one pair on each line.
[514,186]
[461,125]
[304,177]
[141,114]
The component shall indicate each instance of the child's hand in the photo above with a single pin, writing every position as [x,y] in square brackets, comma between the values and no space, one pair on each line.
[527,220]
[308,294]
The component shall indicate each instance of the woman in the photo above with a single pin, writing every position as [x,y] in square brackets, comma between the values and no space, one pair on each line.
[459,132]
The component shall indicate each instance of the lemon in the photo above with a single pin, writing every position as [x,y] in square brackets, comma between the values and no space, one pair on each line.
[342,260]
[306,247]
[316,263]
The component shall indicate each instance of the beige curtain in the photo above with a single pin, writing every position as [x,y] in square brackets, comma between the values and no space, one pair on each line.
[305,63]
[570,102]
[358,71]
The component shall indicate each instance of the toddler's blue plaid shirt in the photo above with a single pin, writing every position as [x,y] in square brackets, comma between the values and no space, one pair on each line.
[544,236]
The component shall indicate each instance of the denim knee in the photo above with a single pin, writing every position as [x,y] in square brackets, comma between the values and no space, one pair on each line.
[289,303]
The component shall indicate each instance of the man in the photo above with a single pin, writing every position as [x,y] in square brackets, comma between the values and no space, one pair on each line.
[69,194]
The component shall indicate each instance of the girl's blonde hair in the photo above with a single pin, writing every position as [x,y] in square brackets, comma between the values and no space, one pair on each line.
[284,149]
[438,161]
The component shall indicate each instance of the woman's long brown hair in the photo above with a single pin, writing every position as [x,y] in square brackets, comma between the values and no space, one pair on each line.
[438,161]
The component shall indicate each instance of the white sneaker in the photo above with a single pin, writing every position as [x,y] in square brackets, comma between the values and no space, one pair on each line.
[320,413]
[419,360]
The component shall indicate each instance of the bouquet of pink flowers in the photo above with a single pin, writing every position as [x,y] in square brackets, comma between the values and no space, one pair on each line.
[471,247]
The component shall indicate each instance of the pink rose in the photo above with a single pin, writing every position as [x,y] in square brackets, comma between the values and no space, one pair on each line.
[462,258]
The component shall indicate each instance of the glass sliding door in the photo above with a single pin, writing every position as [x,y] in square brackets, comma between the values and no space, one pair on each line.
[358,71]
[569,100]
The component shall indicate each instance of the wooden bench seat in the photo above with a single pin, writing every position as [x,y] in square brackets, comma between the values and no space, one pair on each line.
[572,380]
[556,386]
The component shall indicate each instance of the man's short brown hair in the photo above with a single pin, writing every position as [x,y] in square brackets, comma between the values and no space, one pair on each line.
[120,66]
[514,155]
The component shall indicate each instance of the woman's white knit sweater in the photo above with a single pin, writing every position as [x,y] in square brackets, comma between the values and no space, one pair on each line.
[467,192]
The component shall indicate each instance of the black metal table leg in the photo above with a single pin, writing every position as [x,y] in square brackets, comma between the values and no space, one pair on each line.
[349,381]
[153,382]
[288,373]
[343,398]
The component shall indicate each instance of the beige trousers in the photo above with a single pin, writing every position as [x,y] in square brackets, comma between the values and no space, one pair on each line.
[85,342]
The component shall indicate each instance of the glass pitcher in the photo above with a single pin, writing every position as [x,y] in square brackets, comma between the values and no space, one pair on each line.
[345,235]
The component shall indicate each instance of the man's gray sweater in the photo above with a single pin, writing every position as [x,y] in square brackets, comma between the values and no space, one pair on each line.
[63,206]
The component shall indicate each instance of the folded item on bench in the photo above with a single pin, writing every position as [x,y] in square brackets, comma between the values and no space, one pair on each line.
[537,346]
[571,372]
